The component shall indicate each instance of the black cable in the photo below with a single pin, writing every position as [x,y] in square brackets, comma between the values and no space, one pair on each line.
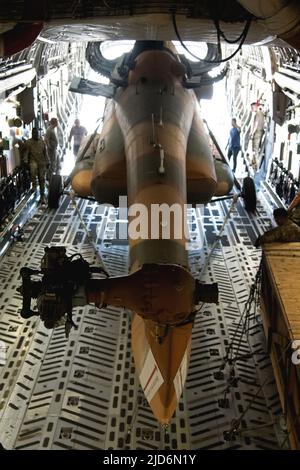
[221,33]
[244,35]
[236,424]
[242,324]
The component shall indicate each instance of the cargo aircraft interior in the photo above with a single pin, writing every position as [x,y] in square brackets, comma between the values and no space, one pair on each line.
[150,225]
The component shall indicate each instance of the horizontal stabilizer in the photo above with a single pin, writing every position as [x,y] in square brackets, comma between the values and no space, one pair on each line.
[87,87]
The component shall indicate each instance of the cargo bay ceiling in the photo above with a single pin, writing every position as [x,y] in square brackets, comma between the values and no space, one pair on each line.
[204,20]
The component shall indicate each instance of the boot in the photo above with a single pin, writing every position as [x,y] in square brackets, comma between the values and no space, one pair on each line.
[42,200]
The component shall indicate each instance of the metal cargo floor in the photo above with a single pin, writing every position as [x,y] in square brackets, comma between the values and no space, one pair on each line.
[83,393]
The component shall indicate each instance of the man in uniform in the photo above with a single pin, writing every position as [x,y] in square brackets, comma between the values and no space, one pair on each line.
[234,144]
[77,132]
[287,231]
[36,155]
[51,145]
[257,131]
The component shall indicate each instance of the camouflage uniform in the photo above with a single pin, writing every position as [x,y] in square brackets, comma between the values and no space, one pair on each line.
[294,215]
[38,160]
[52,143]
[286,233]
[257,136]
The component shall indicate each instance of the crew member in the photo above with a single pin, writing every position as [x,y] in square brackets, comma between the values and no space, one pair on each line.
[257,131]
[234,144]
[285,232]
[77,132]
[51,145]
[294,209]
[35,154]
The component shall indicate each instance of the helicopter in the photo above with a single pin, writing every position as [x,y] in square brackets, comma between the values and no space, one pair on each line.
[154,149]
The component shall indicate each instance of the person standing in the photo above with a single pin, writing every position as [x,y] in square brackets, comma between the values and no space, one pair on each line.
[77,132]
[256,134]
[234,143]
[35,154]
[51,145]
